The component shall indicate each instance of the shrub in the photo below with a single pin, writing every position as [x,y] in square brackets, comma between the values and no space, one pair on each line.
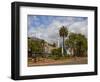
[56,53]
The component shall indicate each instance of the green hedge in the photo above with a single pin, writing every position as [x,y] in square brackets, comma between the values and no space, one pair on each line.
[56,53]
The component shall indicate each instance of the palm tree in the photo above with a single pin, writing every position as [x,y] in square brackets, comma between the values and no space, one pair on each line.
[63,32]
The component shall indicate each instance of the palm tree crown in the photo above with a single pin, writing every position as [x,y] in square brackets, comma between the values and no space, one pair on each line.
[63,32]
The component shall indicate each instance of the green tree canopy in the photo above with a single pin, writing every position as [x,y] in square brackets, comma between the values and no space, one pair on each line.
[78,42]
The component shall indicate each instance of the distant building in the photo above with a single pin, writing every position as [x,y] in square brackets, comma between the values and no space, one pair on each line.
[48,48]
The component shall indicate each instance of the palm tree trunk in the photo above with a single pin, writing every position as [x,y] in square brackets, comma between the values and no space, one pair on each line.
[63,47]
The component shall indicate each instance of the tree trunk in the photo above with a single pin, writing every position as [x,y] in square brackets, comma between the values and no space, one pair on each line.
[63,47]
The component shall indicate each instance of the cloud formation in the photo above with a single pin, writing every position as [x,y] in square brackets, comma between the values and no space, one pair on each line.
[47,27]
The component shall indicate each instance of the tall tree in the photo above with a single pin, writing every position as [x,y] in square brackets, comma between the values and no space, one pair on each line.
[63,32]
[78,43]
[35,47]
[81,45]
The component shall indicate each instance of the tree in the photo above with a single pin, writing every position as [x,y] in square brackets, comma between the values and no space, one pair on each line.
[63,32]
[81,45]
[78,43]
[35,47]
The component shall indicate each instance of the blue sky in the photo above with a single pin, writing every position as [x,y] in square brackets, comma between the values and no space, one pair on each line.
[47,27]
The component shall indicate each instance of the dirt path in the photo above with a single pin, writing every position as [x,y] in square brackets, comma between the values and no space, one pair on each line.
[68,61]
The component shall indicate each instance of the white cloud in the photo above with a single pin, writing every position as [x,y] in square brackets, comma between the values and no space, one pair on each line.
[79,27]
[50,33]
